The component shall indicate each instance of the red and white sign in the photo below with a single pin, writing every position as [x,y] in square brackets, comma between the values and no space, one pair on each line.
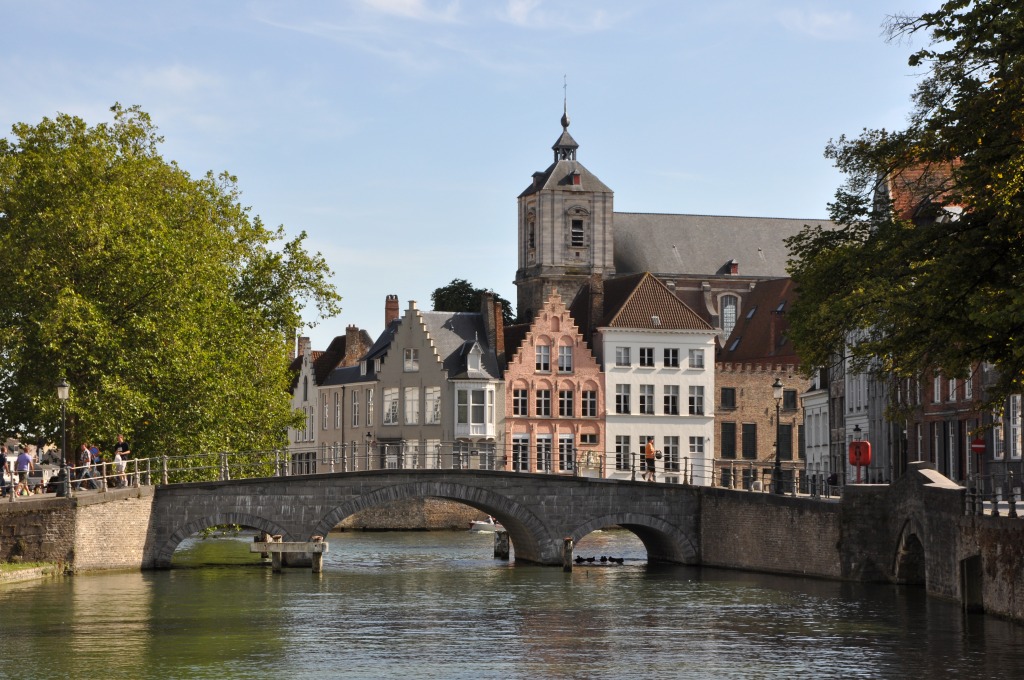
[978,445]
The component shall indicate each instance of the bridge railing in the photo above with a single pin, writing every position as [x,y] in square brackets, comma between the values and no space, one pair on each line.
[998,494]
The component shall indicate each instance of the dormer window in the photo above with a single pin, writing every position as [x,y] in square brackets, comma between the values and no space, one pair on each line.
[474,359]
[576,178]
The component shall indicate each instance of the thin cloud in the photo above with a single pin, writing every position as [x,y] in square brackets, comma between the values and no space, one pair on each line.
[818,24]
[418,10]
[570,17]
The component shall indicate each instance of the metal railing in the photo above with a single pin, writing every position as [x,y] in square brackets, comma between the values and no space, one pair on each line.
[994,494]
[752,475]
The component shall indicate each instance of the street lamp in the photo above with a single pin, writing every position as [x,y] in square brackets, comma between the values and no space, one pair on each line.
[63,390]
[777,472]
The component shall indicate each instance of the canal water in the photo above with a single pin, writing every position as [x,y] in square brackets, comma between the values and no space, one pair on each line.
[437,605]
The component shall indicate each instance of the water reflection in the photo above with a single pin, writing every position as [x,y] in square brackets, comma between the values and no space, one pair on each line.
[430,605]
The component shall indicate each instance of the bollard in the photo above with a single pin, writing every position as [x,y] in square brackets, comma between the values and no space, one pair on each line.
[501,544]
[567,546]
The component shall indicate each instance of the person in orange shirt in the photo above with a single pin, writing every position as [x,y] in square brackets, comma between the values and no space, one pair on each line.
[649,459]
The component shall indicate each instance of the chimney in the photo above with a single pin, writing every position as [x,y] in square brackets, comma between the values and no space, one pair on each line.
[490,311]
[353,348]
[304,346]
[390,309]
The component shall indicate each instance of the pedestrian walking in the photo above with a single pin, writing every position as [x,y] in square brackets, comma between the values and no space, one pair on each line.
[649,454]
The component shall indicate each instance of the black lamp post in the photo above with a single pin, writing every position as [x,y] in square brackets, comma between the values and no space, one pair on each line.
[856,438]
[777,472]
[63,390]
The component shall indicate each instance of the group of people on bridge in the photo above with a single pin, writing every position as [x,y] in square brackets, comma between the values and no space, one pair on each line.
[89,470]
[92,468]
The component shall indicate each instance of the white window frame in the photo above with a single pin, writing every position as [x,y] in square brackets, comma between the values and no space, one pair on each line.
[390,399]
[696,358]
[412,406]
[565,358]
[542,358]
[622,357]
[432,405]
[696,400]
[646,393]
[410,360]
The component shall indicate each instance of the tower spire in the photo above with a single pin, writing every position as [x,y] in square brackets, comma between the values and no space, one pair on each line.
[565,147]
[565,103]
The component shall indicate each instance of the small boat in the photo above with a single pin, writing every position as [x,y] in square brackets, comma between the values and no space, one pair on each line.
[488,526]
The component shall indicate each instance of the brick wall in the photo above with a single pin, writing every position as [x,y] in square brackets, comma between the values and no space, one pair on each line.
[36,530]
[111,530]
[764,532]
[86,533]
[756,404]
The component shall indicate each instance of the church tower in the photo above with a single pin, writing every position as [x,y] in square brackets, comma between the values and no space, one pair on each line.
[565,229]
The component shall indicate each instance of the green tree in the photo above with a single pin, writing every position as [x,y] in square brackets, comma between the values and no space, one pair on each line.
[920,286]
[165,304]
[461,296]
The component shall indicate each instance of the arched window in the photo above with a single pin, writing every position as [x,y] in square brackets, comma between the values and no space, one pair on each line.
[729,305]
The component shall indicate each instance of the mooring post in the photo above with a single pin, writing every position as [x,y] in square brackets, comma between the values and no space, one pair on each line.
[500,544]
[276,556]
[317,558]
[567,553]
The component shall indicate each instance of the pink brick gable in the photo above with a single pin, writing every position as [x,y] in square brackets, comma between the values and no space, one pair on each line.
[537,439]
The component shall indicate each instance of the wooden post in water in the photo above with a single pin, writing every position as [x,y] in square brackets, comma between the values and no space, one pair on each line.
[567,547]
[501,544]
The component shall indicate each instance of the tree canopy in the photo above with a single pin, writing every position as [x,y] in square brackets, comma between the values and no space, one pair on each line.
[925,269]
[165,304]
[461,296]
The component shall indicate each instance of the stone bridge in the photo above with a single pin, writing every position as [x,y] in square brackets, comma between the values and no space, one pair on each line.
[538,511]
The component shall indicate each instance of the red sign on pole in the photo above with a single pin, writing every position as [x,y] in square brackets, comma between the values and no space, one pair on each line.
[860,453]
[978,445]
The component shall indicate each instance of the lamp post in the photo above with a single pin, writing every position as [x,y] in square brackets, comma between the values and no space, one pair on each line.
[63,390]
[777,472]
[856,438]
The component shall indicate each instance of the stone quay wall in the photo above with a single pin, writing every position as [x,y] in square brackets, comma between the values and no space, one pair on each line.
[770,533]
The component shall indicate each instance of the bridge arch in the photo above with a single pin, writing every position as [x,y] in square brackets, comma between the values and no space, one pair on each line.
[530,536]
[166,552]
[909,564]
[663,541]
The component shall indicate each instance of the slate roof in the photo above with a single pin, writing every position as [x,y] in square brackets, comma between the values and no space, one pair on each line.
[704,245]
[760,331]
[345,375]
[514,336]
[559,176]
[453,334]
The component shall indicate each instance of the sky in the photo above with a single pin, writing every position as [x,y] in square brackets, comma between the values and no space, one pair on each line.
[398,133]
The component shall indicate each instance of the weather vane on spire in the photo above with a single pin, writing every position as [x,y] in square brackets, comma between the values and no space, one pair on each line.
[565,102]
